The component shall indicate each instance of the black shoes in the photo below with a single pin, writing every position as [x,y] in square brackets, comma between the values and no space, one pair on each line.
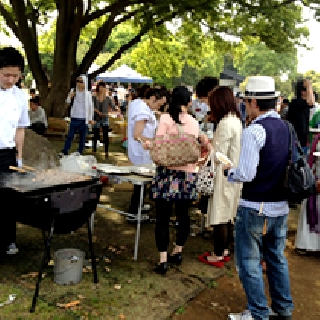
[175,259]
[161,268]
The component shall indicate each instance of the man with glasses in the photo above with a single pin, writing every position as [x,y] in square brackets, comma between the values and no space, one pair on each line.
[299,111]
[81,114]
[13,121]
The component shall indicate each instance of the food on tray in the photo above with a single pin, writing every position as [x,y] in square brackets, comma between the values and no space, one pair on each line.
[223,159]
[47,178]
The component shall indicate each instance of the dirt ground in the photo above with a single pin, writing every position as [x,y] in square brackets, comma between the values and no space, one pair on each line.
[228,296]
[143,292]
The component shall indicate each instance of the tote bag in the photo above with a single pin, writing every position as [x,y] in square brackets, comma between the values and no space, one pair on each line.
[172,150]
[205,177]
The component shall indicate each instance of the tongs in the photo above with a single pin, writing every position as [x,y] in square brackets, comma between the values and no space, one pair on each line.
[23,169]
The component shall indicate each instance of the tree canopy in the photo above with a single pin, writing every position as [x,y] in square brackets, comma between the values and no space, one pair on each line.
[82,30]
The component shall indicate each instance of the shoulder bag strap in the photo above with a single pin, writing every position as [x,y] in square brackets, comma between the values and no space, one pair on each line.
[297,142]
[209,158]
[290,143]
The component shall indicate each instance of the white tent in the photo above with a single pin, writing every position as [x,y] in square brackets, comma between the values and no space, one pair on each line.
[124,74]
[94,67]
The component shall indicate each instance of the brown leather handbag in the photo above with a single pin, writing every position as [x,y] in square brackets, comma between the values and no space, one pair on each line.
[171,150]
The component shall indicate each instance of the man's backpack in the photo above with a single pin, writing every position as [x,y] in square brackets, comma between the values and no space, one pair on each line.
[300,182]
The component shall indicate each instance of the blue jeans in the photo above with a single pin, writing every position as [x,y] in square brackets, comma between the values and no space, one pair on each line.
[76,125]
[250,244]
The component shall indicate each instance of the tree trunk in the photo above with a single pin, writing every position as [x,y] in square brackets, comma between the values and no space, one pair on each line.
[64,64]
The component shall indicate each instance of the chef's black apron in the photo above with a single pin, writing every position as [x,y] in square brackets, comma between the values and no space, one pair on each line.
[8,221]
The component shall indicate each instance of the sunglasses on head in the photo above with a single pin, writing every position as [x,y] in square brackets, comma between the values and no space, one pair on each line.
[79,81]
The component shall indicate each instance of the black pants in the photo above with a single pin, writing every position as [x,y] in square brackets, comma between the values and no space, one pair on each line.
[38,128]
[96,137]
[8,219]
[222,238]
[203,204]
[163,213]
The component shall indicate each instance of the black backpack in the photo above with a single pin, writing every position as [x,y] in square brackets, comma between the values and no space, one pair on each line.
[300,182]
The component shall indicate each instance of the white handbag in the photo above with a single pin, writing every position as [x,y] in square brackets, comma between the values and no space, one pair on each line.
[205,177]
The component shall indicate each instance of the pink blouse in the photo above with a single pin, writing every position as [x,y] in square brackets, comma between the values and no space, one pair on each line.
[190,126]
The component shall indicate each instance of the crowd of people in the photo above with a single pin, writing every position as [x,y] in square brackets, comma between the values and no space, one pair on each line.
[248,199]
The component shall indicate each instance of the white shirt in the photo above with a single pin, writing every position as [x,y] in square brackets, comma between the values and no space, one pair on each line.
[79,105]
[139,110]
[82,107]
[199,109]
[39,115]
[13,115]
[87,106]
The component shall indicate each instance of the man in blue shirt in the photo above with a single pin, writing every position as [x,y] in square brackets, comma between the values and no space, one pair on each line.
[261,221]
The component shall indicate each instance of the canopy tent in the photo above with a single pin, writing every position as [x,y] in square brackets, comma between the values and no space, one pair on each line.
[94,67]
[124,74]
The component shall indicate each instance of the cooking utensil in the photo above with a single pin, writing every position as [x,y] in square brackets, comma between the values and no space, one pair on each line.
[17,169]
[28,168]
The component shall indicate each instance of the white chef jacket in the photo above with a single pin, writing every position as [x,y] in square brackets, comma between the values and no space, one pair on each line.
[13,115]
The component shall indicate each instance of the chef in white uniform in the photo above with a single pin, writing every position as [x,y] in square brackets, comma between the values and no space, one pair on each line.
[13,121]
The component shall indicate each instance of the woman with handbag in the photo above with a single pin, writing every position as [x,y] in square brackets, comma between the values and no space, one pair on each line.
[101,103]
[222,205]
[174,185]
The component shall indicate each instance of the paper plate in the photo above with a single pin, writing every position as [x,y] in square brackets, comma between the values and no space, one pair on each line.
[109,168]
[223,159]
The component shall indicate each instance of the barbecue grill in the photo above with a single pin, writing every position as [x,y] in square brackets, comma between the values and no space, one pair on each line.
[55,208]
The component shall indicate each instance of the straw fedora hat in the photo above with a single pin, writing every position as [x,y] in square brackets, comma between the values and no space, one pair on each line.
[260,87]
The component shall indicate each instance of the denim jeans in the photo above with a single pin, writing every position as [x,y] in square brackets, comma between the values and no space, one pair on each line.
[76,125]
[248,251]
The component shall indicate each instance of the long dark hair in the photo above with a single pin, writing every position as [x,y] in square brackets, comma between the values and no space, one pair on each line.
[180,96]
[299,88]
[100,84]
[222,102]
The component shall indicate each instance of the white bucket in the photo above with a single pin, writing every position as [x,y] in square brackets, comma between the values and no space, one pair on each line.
[68,265]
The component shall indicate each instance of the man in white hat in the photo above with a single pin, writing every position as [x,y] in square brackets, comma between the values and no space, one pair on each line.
[261,221]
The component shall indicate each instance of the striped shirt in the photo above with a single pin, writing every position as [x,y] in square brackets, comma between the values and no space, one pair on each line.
[253,140]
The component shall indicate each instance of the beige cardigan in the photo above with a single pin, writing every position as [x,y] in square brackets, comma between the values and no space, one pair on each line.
[222,206]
